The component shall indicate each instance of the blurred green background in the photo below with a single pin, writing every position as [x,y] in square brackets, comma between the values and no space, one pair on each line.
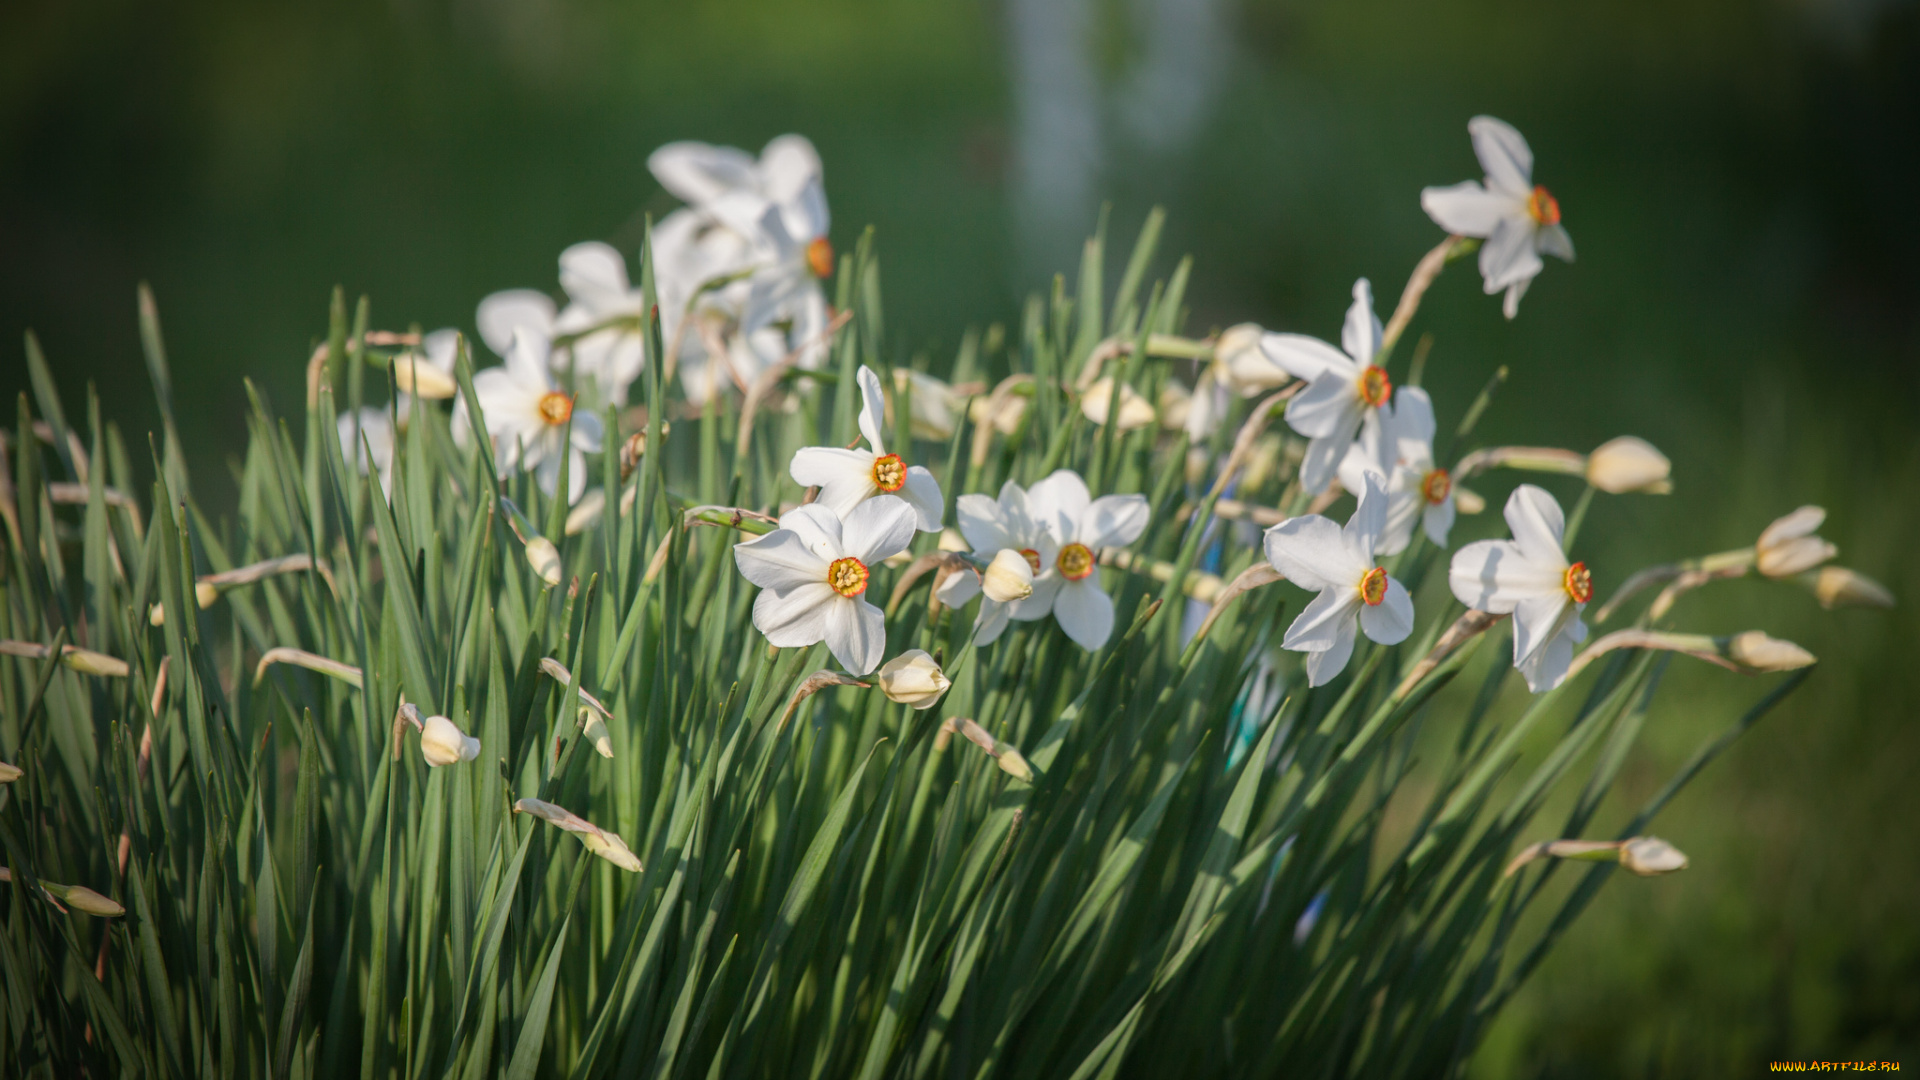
[1739,178]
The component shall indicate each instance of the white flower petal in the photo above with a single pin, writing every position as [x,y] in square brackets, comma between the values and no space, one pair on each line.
[879,527]
[1553,240]
[1312,552]
[922,492]
[984,524]
[1508,257]
[818,528]
[1504,153]
[844,477]
[595,274]
[1322,459]
[1494,575]
[501,313]
[1391,620]
[1369,520]
[1547,667]
[1360,335]
[780,560]
[1113,521]
[1536,620]
[1306,357]
[1438,519]
[1326,663]
[1537,524]
[960,587]
[1039,604]
[1085,612]
[856,634]
[1059,502]
[1466,208]
[1510,306]
[1319,626]
[1328,404]
[698,173]
[1412,419]
[991,622]
[796,617]
[873,410]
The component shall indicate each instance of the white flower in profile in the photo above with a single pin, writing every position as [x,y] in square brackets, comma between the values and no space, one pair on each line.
[813,572]
[594,276]
[1518,220]
[848,477]
[1356,594]
[1060,528]
[1529,577]
[1342,386]
[1397,443]
[527,417]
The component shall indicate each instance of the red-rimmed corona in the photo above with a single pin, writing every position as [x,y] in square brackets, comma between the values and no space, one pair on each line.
[1076,561]
[848,576]
[1542,207]
[1373,386]
[556,408]
[889,473]
[1373,587]
[820,257]
[1579,583]
[1436,486]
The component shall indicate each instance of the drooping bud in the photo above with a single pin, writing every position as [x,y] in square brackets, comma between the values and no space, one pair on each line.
[10,773]
[1176,404]
[204,594]
[607,845]
[412,375]
[594,730]
[545,559]
[88,662]
[1243,366]
[1838,587]
[951,540]
[1756,650]
[1629,464]
[1008,578]
[1135,411]
[81,898]
[1789,546]
[1650,856]
[912,678]
[1013,764]
[443,743]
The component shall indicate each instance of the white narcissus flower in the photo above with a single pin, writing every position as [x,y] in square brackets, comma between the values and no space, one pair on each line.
[594,276]
[443,743]
[813,570]
[1397,443]
[1356,595]
[1060,528]
[1518,220]
[848,477]
[1342,386]
[527,417]
[700,267]
[1529,577]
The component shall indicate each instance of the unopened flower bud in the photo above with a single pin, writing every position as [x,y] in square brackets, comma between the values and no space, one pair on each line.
[1789,546]
[912,678]
[1013,764]
[1008,578]
[203,594]
[594,730]
[1003,409]
[1650,856]
[586,512]
[1837,587]
[1176,405]
[84,899]
[1629,464]
[934,405]
[951,540]
[1755,650]
[610,847]
[10,773]
[88,662]
[607,845]
[1243,365]
[1135,411]
[412,375]
[545,559]
[443,743]
[1468,502]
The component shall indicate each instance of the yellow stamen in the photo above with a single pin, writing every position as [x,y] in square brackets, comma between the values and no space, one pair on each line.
[556,408]
[1435,486]
[1075,562]
[1373,386]
[848,576]
[889,472]
[820,257]
[1373,587]
[1579,583]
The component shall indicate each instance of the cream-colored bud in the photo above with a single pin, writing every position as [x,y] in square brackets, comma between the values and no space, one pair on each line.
[586,512]
[1008,577]
[1013,764]
[1650,856]
[545,559]
[1135,411]
[443,743]
[594,730]
[1789,546]
[1243,365]
[1004,408]
[413,375]
[610,847]
[912,678]
[1755,649]
[1467,501]
[951,540]
[1629,464]
[81,898]
[1176,404]
[935,407]
[88,662]
[10,773]
[607,845]
[203,594]
[1837,587]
